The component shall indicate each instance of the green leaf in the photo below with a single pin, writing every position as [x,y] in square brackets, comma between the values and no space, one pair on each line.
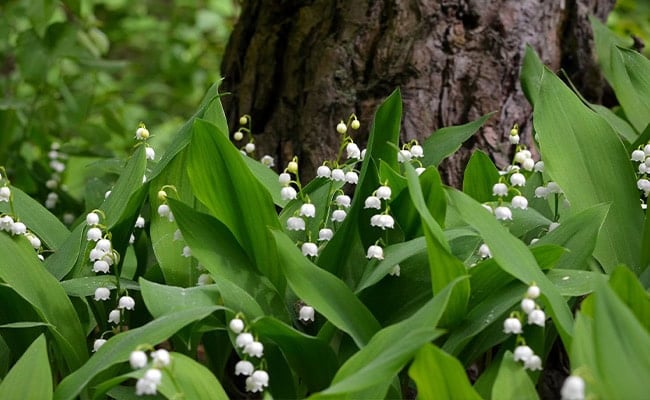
[325,292]
[310,357]
[39,220]
[118,348]
[631,292]
[164,299]
[512,381]
[577,233]
[188,379]
[177,270]
[394,254]
[624,69]
[440,376]
[391,348]
[239,283]
[268,179]
[21,269]
[513,257]
[601,346]
[30,377]
[81,287]
[571,137]
[480,176]
[233,195]
[446,141]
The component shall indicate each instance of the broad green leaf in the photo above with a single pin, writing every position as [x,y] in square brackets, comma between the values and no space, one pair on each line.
[241,286]
[70,254]
[39,219]
[480,176]
[310,357]
[446,141]
[30,377]
[188,379]
[625,73]
[177,270]
[118,348]
[325,292]
[574,283]
[394,254]
[21,269]
[164,299]
[577,233]
[391,348]
[618,364]
[443,265]
[268,179]
[81,287]
[340,254]
[631,292]
[571,137]
[514,258]
[440,376]
[512,381]
[222,181]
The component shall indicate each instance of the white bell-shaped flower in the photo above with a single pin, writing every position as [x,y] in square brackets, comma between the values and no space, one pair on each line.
[353,151]
[306,313]
[523,353]
[161,358]
[244,339]
[638,155]
[338,215]
[126,302]
[372,202]
[518,179]
[244,367]
[383,192]
[295,224]
[97,344]
[309,249]
[537,317]
[573,388]
[533,292]
[375,251]
[323,171]
[288,193]
[114,317]
[102,293]
[417,151]
[351,177]
[500,189]
[308,210]
[325,234]
[92,219]
[94,234]
[343,200]
[528,305]
[512,325]
[484,251]
[236,325]
[338,175]
[254,349]
[519,202]
[138,359]
[503,213]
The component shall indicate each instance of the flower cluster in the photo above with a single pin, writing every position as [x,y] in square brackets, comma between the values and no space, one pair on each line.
[103,256]
[148,384]
[12,225]
[379,200]
[57,165]
[513,324]
[256,378]
[642,156]
[412,152]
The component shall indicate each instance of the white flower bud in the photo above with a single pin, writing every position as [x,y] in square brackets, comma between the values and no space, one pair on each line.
[164,210]
[92,219]
[499,189]
[383,192]
[355,124]
[528,305]
[306,313]
[338,215]
[519,202]
[484,251]
[518,179]
[236,325]
[325,234]
[102,293]
[150,153]
[138,359]
[375,251]
[126,302]
[503,213]
[573,388]
[161,358]
[250,147]
[323,171]
[512,325]
[97,344]
[295,224]
[309,249]
[267,160]
[338,174]
[187,252]
[308,210]
[533,292]
[142,133]
[353,151]
[341,128]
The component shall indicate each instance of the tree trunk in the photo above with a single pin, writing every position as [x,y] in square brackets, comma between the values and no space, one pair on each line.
[298,67]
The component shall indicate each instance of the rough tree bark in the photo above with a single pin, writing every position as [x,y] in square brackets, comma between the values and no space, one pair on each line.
[299,66]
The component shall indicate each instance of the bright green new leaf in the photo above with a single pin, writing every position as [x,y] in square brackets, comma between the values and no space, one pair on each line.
[480,176]
[446,141]
[325,292]
[118,348]
[440,376]
[30,377]
[631,292]
[222,181]
[241,286]
[587,159]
